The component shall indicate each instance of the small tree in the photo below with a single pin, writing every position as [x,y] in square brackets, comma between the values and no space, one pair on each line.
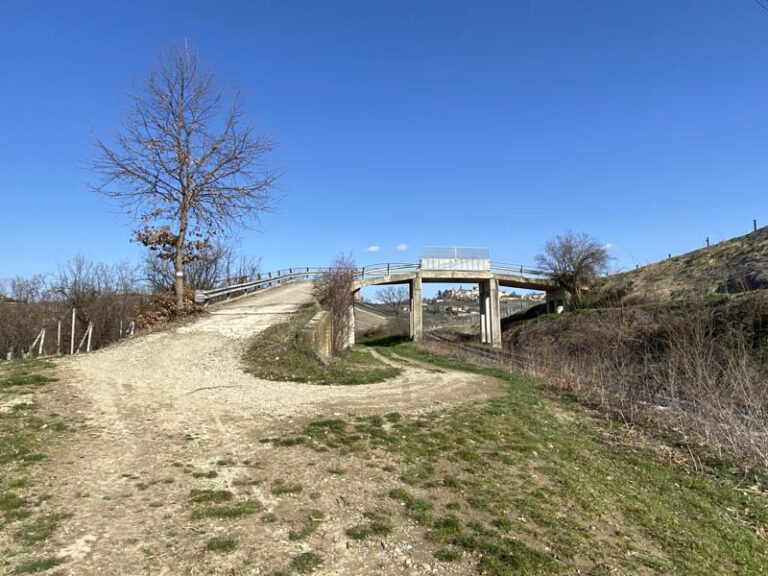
[393,297]
[185,165]
[575,261]
[333,289]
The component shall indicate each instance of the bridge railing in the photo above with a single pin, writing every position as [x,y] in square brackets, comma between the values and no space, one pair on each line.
[518,269]
[378,270]
[385,269]
[260,282]
[268,279]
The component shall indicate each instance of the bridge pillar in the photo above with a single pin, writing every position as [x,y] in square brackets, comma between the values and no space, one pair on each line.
[557,301]
[490,315]
[351,336]
[415,324]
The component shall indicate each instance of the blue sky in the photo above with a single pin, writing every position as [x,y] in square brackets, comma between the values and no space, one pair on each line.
[496,124]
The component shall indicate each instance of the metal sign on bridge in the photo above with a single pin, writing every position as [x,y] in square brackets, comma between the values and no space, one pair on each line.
[455,258]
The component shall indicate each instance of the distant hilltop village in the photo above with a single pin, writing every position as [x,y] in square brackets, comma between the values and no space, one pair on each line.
[472,294]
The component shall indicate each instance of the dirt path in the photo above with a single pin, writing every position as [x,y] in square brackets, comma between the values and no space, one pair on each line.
[173,411]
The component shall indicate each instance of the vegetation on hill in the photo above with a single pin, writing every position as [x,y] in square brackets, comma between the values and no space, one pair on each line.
[730,267]
[681,345]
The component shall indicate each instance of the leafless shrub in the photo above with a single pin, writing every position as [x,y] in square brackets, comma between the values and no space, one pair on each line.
[104,296]
[698,371]
[216,265]
[333,289]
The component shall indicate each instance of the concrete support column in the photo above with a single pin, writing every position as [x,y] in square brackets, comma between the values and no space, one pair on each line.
[490,314]
[483,292]
[355,298]
[558,301]
[416,329]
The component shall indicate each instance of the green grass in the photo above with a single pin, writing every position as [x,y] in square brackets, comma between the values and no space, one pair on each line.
[204,496]
[535,484]
[276,354]
[420,509]
[280,487]
[39,529]
[221,544]
[209,474]
[25,434]
[308,527]
[37,565]
[230,511]
[306,562]
[378,524]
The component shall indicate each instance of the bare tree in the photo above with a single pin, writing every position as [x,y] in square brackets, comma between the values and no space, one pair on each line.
[31,289]
[333,289]
[575,261]
[184,164]
[394,297]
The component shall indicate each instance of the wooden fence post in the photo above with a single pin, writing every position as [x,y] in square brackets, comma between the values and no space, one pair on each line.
[87,336]
[72,338]
[58,338]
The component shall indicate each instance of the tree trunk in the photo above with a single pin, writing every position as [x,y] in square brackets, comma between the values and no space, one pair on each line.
[179,269]
[178,262]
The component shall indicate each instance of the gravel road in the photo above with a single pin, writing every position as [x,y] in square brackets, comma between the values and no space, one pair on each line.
[155,407]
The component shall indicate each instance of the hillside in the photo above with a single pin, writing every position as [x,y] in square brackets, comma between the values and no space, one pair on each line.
[680,345]
[730,267]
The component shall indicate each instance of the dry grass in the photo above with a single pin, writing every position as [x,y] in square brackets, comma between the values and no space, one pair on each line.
[724,268]
[698,371]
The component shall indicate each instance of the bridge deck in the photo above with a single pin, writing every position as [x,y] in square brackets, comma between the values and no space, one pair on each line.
[459,276]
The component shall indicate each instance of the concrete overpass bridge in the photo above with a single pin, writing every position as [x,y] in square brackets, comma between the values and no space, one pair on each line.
[437,266]
[488,280]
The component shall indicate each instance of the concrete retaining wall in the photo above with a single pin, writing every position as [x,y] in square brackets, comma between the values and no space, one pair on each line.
[317,335]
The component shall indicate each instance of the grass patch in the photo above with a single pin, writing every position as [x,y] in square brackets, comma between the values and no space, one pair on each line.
[221,544]
[543,478]
[377,525]
[205,496]
[308,527]
[419,509]
[306,563]
[209,474]
[11,505]
[446,529]
[37,565]
[231,511]
[276,354]
[280,487]
[39,529]
[447,554]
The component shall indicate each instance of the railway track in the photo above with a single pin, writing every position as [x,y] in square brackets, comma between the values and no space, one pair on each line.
[480,351]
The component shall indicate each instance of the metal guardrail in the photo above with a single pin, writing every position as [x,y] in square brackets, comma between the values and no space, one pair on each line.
[262,281]
[519,269]
[269,279]
[375,270]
